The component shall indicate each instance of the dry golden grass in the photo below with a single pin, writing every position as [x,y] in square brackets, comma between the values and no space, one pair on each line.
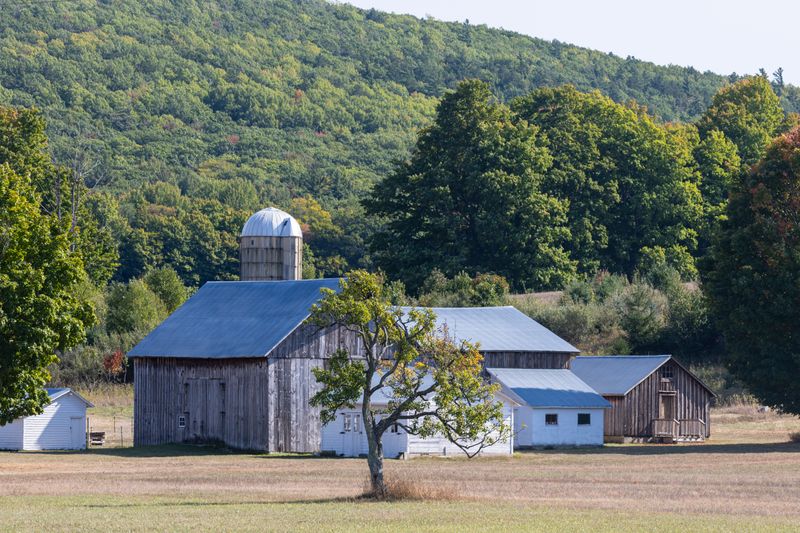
[746,478]
[112,412]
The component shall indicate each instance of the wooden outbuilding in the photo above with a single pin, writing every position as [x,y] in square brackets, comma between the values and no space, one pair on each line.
[653,397]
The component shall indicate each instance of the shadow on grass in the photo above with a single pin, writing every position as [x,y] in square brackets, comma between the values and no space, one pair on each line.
[175,450]
[675,449]
[318,501]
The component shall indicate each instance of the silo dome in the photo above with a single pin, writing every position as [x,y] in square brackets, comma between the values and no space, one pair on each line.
[271,222]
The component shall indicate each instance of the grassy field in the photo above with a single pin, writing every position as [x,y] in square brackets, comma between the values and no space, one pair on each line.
[746,478]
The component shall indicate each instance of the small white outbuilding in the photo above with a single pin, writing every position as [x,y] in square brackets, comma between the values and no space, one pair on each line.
[555,407]
[62,425]
[345,436]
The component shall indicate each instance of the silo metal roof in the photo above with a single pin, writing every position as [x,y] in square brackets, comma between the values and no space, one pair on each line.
[271,222]
[499,329]
[548,388]
[229,319]
[616,375]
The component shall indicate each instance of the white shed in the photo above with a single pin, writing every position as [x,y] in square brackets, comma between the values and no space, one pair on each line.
[345,436]
[556,408]
[62,425]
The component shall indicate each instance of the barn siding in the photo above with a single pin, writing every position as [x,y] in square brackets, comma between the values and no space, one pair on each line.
[255,403]
[222,401]
[554,360]
[632,415]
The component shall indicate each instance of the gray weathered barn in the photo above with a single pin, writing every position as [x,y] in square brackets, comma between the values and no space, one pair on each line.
[233,365]
[652,397]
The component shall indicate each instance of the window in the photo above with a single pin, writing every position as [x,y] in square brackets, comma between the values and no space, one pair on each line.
[395,428]
[181,421]
[666,372]
[551,419]
[584,419]
[356,421]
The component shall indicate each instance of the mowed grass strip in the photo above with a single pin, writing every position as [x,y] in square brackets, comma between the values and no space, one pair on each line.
[87,513]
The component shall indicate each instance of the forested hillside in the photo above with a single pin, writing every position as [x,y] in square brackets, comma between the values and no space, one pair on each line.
[241,104]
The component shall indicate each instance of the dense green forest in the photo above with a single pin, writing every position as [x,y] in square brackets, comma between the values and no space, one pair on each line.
[466,163]
[195,113]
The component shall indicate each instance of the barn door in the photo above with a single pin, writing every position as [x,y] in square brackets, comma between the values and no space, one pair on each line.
[206,409]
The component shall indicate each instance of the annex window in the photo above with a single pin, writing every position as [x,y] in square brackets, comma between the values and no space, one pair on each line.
[667,372]
[584,419]
[181,421]
[551,419]
[356,423]
[395,428]
[348,422]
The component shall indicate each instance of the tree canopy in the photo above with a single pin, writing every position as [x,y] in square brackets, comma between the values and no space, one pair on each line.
[471,198]
[433,384]
[752,276]
[40,311]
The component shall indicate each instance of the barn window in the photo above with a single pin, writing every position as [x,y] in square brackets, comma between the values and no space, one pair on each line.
[584,419]
[181,421]
[667,372]
[551,419]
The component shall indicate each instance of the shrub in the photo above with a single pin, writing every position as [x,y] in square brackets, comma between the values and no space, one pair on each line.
[795,437]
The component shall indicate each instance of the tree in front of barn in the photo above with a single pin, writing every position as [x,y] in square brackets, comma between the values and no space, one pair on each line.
[752,276]
[434,384]
[39,310]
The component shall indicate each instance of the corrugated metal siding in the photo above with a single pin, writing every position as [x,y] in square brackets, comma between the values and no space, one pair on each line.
[62,426]
[499,329]
[234,319]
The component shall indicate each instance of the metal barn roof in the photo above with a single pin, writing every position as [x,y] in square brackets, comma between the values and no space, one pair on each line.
[616,375]
[227,319]
[499,329]
[548,388]
[271,222]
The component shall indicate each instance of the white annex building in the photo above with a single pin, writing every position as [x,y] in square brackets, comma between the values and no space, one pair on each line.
[555,407]
[62,425]
[346,437]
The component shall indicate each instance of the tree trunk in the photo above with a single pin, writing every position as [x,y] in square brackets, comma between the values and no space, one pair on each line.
[374,456]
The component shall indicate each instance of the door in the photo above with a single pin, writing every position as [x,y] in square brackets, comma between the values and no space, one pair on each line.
[206,408]
[666,407]
[351,434]
[77,433]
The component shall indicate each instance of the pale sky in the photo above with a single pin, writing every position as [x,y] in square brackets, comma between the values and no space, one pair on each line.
[718,35]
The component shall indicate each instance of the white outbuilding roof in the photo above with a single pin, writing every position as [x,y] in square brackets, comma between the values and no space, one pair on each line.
[271,222]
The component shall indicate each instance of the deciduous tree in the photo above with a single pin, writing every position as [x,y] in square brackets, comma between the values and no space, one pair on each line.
[39,310]
[434,384]
[752,276]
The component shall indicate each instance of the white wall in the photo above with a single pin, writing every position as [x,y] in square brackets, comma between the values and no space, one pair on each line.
[353,443]
[531,430]
[334,439]
[62,426]
[11,435]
